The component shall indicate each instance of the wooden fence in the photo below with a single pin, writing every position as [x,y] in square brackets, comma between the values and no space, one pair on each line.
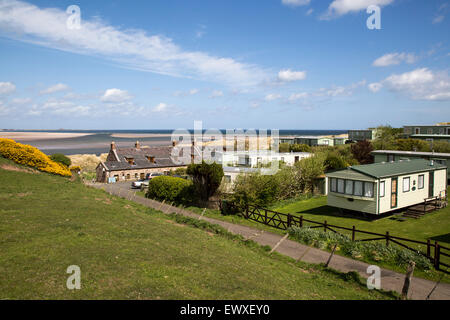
[434,251]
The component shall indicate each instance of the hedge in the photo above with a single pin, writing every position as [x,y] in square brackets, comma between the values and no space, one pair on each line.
[171,189]
[32,157]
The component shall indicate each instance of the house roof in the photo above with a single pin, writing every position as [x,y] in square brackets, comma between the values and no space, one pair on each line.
[396,168]
[413,153]
[350,174]
[162,158]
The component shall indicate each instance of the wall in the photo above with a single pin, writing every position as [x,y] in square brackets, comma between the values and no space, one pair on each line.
[361,204]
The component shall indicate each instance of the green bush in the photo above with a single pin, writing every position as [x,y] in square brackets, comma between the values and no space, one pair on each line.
[60,158]
[371,251]
[170,189]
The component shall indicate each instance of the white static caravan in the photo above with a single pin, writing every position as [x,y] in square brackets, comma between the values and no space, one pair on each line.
[387,186]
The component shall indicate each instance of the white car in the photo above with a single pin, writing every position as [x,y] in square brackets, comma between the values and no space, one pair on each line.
[138,184]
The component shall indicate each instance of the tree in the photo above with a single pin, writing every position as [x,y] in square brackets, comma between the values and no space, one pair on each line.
[334,161]
[412,145]
[283,147]
[206,178]
[255,189]
[310,169]
[361,151]
[60,158]
[168,188]
[385,137]
[299,148]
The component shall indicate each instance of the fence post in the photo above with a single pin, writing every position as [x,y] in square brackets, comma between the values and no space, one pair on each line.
[289,220]
[387,238]
[407,282]
[265,216]
[246,211]
[437,253]
[428,249]
[353,233]
[301,221]
[325,226]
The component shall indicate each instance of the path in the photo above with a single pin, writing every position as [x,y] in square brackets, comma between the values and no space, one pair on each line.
[390,280]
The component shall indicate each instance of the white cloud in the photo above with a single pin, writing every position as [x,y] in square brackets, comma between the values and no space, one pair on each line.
[442,11]
[186,93]
[298,96]
[162,107]
[420,84]
[375,87]
[60,107]
[56,88]
[272,97]
[309,12]
[134,49]
[288,75]
[394,59]
[115,96]
[216,94]
[7,87]
[438,19]
[341,7]
[295,3]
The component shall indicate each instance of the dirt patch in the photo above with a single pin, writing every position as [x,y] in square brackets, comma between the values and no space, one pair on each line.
[175,224]
[9,167]
[23,194]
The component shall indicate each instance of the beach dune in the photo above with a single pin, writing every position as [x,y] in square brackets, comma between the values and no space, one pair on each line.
[32,136]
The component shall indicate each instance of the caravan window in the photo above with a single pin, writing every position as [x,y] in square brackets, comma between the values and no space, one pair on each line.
[333,185]
[381,189]
[368,189]
[420,183]
[348,187]
[340,185]
[406,184]
[358,188]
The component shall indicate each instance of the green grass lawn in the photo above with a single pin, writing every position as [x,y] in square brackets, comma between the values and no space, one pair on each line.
[434,226]
[127,251]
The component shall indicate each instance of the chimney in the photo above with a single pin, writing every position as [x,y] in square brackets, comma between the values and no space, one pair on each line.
[113,145]
[137,145]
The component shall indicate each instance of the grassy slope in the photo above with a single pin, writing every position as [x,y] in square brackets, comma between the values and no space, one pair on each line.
[128,251]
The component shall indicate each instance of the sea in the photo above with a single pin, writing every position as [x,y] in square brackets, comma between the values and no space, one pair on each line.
[98,141]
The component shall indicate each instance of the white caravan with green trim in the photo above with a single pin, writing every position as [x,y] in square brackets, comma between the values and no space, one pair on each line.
[386,186]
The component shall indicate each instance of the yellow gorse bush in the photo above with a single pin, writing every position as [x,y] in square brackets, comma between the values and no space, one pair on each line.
[32,157]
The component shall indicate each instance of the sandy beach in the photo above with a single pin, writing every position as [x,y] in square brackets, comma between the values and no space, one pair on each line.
[140,135]
[33,136]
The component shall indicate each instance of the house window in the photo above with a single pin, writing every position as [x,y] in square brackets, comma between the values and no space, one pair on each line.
[333,185]
[406,184]
[130,160]
[368,189]
[151,159]
[128,176]
[340,185]
[349,187]
[421,181]
[390,157]
[382,185]
[417,130]
[136,175]
[430,131]
[441,131]
[358,188]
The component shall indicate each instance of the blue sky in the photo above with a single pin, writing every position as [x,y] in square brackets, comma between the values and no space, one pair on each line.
[285,64]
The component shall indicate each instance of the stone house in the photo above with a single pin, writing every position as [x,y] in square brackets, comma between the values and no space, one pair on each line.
[123,164]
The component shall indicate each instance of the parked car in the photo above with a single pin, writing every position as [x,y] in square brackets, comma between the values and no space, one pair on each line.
[150,176]
[138,184]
